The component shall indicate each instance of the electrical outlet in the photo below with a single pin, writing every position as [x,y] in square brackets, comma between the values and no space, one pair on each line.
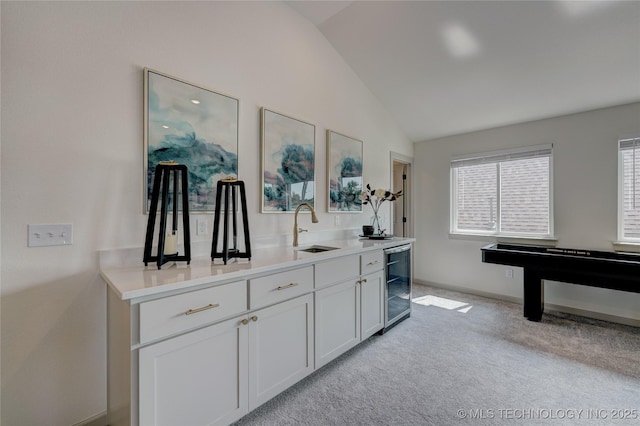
[60,234]
[508,273]
[201,226]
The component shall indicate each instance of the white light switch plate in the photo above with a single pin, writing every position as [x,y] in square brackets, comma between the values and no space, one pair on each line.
[60,234]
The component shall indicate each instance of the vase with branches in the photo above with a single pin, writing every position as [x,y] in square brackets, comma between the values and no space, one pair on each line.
[375,198]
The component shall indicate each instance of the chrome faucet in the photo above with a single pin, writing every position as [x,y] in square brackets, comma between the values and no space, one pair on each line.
[314,219]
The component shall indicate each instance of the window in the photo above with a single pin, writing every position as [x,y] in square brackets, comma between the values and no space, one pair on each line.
[504,193]
[629,189]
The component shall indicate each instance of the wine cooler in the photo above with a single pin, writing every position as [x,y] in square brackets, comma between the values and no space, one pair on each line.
[398,285]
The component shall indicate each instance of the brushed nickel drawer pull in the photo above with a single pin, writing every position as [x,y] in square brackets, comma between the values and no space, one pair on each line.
[364,280]
[282,287]
[372,263]
[204,308]
[245,321]
[254,318]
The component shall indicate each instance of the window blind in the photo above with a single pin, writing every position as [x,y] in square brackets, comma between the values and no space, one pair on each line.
[631,143]
[629,187]
[500,156]
[503,192]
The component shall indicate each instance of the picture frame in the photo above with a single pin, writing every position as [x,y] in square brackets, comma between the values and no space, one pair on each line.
[288,162]
[191,125]
[344,173]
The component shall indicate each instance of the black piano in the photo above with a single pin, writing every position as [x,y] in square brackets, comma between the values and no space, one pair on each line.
[617,271]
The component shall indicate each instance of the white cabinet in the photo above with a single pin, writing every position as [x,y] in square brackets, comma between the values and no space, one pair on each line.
[371,261]
[170,315]
[351,311]
[372,286]
[215,375]
[371,304]
[337,320]
[209,356]
[280,348]
[274,288]
[336,270]
[198,378]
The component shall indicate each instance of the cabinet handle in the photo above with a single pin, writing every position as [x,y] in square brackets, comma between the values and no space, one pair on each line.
[254,318]
[282,287]
[364,280]
[245,321]
[372,263]
[204,308]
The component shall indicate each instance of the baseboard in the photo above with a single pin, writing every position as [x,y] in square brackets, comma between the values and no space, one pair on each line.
[99,419]
[547,306]
[593,315]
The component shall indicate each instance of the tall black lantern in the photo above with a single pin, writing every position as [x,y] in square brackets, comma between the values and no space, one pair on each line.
[228,188]
[168,173]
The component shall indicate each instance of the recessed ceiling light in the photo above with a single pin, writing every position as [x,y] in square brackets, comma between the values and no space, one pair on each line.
[459,42]
[195,101]
[582,8]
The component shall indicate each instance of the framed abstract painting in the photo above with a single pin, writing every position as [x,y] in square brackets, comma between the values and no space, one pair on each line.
[288,162]
[344,173]
[190,125]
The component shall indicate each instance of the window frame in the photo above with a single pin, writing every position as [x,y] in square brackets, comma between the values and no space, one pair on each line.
[496,157]
[620,237]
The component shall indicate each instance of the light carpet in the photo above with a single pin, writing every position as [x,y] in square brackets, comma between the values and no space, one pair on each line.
[477,362]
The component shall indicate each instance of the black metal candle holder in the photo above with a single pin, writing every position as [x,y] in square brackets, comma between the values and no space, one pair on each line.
[228,186]
[165,173]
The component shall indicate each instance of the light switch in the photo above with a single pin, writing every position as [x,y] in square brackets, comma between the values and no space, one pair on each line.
[60,234]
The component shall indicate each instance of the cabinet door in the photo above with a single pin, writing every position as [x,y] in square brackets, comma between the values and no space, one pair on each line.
[337,320]
[280,348]
[372,304]
[199,378]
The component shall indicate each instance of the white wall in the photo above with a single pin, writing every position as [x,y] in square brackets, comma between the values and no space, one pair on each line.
[0,219]
[585,204]
[72,87]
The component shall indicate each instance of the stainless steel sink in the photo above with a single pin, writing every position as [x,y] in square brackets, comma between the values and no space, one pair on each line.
[317,249]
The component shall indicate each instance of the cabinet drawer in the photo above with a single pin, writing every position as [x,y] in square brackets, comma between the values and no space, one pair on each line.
[162,317]
[274,288]
[336,270]
[371,261]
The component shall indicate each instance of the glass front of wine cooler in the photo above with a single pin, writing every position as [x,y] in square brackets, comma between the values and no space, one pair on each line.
[398,286]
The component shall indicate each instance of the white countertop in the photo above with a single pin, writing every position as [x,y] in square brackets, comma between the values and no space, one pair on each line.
[140,281]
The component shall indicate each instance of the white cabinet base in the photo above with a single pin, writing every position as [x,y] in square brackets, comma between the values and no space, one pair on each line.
[347,314]
[170,362]
[199,378]
[337,320]
[280,348]
[372,304]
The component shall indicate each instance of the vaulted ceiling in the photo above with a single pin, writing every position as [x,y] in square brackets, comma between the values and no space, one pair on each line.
[450,67]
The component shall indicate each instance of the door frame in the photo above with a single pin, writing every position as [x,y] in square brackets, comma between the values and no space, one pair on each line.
[397,158]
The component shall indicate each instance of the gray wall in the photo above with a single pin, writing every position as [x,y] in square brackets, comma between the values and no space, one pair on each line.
[585,172]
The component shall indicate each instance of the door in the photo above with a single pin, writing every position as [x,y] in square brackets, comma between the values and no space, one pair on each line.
[199,378]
